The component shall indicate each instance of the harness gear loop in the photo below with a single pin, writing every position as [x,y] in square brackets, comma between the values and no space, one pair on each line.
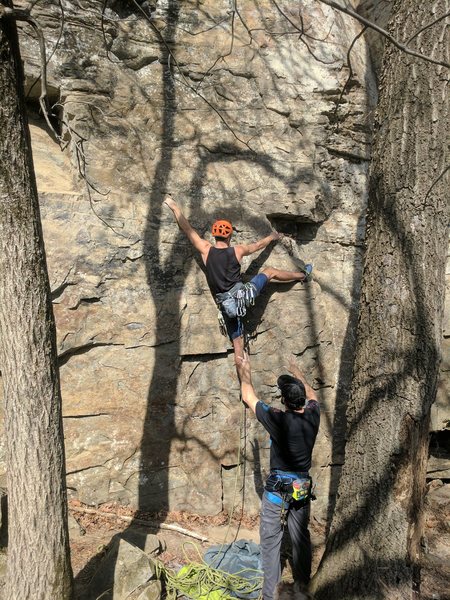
[291,489]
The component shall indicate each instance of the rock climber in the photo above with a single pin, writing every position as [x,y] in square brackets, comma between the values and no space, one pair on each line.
[223,273]
[287,492]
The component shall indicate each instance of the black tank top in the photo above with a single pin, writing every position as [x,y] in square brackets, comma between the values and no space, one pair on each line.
[222,269]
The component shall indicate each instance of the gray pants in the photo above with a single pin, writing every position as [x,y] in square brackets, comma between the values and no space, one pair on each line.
[271,534]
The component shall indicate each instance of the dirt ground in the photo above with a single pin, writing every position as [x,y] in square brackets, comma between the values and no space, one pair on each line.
[92,530]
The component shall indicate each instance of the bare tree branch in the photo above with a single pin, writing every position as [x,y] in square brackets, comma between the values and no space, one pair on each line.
[23,15]
[383,32]
[436,181]
[78,141]
[102,23]
[302,34]
[113,115]
[56,43]
[428,26]
[194,34]
[223,56]
[349,64]
[184,80]
[241,19]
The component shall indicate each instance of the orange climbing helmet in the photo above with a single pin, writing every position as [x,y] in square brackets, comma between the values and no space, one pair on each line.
[222,228]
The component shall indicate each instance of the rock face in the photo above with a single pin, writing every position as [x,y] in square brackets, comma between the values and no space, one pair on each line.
[242,115]
[3,518]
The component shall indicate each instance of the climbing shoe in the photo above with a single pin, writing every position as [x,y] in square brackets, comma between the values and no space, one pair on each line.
[308,273]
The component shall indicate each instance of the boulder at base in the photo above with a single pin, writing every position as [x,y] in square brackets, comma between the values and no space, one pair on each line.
[125,573]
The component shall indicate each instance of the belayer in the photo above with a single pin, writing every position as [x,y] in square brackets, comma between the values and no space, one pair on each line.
[287,492]
[223,272]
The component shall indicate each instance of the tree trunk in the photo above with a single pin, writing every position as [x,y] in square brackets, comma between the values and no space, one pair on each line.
[373,547]
[38,563]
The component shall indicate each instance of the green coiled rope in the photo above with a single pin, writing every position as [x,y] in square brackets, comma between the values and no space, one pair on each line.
[200,581]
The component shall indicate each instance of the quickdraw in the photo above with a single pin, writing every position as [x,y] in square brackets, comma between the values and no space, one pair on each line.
[285,507]
[222,325]
[245,297]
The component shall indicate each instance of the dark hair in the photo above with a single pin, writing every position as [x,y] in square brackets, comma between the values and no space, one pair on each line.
[220,238]
[293,393]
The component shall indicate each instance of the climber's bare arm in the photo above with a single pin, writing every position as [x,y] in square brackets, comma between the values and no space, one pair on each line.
[247,249]
[198,242]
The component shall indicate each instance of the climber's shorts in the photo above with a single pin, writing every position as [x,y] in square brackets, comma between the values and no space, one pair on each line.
[235,326]
[260,282]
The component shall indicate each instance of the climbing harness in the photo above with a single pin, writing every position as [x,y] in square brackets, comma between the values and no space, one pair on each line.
[287,490]
[235,302]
